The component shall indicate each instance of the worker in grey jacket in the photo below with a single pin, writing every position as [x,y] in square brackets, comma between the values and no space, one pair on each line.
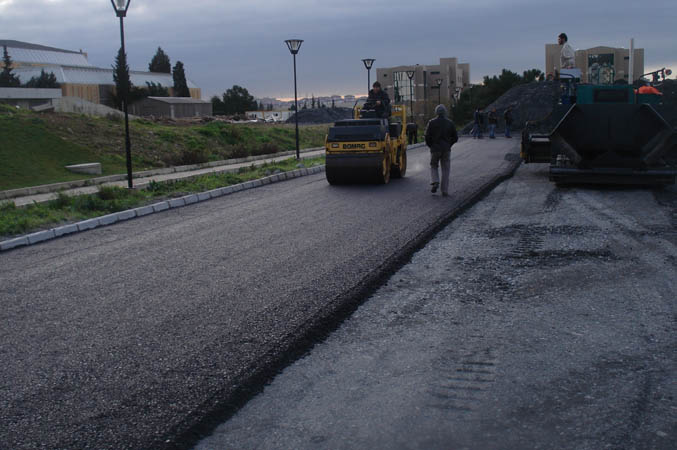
[440,135]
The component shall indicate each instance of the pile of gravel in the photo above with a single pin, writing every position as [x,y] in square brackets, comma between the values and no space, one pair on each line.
[322,115]
[530,102]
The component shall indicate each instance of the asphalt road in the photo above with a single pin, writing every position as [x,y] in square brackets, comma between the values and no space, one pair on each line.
[542,318]
[140,334]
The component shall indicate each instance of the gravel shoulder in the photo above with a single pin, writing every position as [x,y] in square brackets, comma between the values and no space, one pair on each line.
[543,317]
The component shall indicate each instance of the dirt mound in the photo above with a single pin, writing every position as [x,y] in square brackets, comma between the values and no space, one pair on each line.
[322,115]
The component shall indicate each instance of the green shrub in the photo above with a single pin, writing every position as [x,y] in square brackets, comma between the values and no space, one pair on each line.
[61,201]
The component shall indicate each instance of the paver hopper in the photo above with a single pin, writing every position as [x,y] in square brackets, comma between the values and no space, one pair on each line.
[606,137]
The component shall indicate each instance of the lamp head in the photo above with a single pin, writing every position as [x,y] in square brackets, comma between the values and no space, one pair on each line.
[368,63]
[294,45]
[120,7]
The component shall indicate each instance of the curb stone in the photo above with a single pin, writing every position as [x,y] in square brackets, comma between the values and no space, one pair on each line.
[110,219]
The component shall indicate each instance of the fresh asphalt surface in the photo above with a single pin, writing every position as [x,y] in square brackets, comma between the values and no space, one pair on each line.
[137,334]
[543,317]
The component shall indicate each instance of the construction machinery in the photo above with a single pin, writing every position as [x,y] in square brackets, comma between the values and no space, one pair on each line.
[369,148]
[603,133]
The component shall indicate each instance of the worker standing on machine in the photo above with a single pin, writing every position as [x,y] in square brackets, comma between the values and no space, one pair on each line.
[440,135]
[379,101]
[567,57]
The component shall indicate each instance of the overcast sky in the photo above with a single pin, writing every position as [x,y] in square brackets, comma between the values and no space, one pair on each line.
[224,42]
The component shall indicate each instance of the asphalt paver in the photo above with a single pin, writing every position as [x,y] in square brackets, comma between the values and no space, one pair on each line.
[542,318]
[137,334]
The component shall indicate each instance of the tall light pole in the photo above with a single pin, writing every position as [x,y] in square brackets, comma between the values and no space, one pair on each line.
[439,90]
[410,75]
[121,7]
[294,47]
[368,63]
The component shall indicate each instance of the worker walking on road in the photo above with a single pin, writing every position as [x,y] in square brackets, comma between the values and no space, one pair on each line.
[493,121]
[477,127]
[440,135]
[507,116]
[412,132]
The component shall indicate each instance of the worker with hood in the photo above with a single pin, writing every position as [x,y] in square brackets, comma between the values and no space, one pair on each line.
[440,135]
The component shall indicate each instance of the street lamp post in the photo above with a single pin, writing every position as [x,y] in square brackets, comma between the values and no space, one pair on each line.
[410,75]
[439,90]
[294,47]
[368,63]
[121,7]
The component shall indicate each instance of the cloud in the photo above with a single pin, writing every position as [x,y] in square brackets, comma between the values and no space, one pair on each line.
[241,42]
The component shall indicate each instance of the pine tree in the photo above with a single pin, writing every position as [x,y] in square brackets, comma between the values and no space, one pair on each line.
[333,104]
[123,84]
[7,78]
[180,83]
[160,62]
[313,104]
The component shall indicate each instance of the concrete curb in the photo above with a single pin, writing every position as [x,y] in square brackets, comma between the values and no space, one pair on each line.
[47,188]
[110,219]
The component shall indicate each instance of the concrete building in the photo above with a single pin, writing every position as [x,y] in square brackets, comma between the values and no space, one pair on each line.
[589,60]
[423,91]
[27,98]
[75,74]
[173,107]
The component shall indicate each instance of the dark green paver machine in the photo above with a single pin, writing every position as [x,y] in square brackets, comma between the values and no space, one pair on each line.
[605,134]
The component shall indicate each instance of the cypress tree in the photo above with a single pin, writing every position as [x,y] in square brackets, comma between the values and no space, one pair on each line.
[180,83]
[123,84]
[7,78]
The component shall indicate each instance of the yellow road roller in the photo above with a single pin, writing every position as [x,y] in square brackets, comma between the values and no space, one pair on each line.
[368,148]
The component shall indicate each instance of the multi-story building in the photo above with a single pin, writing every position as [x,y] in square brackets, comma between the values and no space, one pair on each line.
[429,85]
[588,61]
[76,76]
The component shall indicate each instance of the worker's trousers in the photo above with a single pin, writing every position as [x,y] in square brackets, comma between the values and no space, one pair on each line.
[435,159]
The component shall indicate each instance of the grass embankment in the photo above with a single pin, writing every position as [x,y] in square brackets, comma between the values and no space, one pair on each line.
[34,148]
[20,220]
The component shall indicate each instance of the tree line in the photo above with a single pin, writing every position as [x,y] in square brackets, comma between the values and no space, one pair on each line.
[160,63]
[9,79]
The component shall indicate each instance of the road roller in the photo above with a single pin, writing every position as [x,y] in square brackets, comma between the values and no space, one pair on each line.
[368,148]
[605,134]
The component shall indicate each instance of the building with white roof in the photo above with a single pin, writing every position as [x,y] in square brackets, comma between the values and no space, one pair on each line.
[75,74]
